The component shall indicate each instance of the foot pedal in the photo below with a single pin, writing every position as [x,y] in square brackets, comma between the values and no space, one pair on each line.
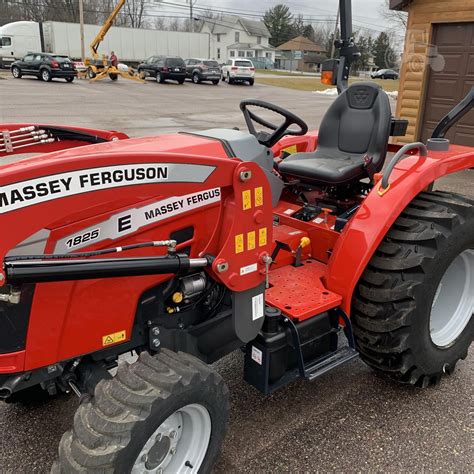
[336,359]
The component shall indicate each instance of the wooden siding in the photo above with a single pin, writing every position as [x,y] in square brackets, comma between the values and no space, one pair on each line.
[415,66]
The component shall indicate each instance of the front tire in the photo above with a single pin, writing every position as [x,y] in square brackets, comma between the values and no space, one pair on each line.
[16,72]
[159,78]
[196,79]
[167,411]
[69,79]
[412,310]
[229,79]
[251,82]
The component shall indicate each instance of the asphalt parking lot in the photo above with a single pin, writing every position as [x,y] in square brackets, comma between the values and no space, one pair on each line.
[349,420]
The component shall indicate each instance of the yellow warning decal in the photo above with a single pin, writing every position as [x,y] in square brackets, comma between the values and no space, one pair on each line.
[259,196]
[291,149]
[246,199]
[262,237]
[251,240]
[114,338]
[239,243]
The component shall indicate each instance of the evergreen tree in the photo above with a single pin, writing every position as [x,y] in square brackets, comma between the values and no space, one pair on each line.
[383,52]
[279,22]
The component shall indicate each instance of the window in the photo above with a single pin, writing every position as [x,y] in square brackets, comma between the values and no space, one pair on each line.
[28,58]
[5,41]
[249,54]
[218,36]
[150,60]
[244,63]
[232,53]
[268,55]
[218,53]
[237,36]
[241,54]
[259,40]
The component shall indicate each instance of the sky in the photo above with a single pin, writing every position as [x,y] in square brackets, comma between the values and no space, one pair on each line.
[366,13]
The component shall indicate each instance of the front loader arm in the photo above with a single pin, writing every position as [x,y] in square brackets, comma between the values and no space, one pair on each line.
[19,138]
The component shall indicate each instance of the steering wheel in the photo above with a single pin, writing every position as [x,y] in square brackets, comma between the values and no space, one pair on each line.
[270,139]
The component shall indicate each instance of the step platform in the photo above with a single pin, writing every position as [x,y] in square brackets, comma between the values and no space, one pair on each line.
[298,292]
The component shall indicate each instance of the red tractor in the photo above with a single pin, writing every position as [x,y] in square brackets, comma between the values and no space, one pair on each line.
[293,246]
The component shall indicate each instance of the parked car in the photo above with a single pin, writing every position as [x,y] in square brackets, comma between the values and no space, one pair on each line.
[200,70]
[385,74]
[44,66]
[163,68]
[238,70]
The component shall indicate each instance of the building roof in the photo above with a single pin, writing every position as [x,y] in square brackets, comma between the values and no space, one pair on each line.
[228,23]
[301,43]
[249,46]
[399,4]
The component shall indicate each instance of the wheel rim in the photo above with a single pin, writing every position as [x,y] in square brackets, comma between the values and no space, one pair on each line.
[16,72]
[158,77]
[45,75]
[195,79]
[453,303]
[179,443]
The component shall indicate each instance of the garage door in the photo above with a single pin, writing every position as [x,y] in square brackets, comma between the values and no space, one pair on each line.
[455,42]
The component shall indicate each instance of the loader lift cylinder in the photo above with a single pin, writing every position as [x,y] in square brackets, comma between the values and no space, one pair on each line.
[24,271]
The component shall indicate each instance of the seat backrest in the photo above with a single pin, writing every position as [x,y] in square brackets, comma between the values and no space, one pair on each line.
[357,123]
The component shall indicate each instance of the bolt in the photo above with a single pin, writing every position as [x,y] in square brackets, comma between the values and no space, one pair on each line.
[245,175]
[159,471]
[155,331]
[173,451]
[159,437]
[222,267]
[145,458]
[155,343]
[173,434]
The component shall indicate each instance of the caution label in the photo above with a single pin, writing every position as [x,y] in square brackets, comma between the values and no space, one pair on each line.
[239,243]
[251,240]
[246,199]
[114,338]
[262,237]
[47,188]
[259,196]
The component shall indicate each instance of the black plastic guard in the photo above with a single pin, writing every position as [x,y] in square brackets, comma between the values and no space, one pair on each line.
[248,308]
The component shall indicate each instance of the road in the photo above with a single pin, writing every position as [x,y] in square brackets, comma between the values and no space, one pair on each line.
[348,420]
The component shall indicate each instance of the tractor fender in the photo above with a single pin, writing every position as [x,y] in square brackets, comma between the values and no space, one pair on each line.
[363,234]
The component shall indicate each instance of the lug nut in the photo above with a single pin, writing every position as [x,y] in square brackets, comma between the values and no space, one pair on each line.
[155,331]
[159,437]
[173,451]
[155,343]
[145,458]
[173,434]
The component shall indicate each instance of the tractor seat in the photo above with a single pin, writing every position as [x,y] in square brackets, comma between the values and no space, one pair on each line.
[357,124]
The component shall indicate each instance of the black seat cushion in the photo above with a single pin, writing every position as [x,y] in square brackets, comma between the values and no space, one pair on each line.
[356,124]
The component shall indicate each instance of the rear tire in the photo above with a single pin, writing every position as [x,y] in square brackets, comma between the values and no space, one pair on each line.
[159,78]
[215,82]
[129,426]
[46,75]
[196,79]
[229,79]
[409,322]
[251,82]
[69,79]
[16,72]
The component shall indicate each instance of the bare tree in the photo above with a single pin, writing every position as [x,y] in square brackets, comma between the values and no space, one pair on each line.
[396,17]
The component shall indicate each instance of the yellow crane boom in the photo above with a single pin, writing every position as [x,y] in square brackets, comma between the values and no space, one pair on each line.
[94,46]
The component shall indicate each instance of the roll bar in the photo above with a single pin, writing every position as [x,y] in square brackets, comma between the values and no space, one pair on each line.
[452,117]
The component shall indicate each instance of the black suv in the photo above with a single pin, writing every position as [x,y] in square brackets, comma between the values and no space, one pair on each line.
[163,68]
[200,70]
[44,66]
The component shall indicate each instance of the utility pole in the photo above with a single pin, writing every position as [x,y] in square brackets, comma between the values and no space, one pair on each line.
[333,49]
[81,20]
[191,16]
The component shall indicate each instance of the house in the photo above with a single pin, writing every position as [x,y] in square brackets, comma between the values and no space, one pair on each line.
[300,54]
[437,66]
[236,37]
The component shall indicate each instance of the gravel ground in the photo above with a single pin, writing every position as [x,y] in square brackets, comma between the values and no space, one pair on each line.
[349,420]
